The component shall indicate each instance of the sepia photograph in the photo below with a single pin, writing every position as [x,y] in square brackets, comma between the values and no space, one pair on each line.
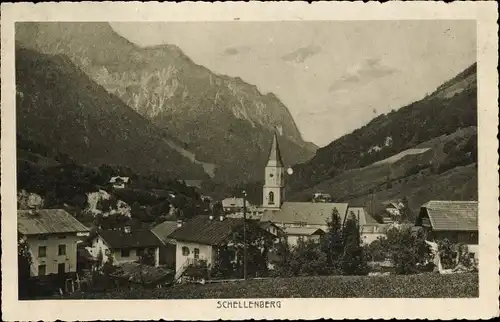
[246,162]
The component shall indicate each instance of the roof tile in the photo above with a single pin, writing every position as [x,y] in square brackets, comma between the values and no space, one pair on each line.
[48,221]
[452,215]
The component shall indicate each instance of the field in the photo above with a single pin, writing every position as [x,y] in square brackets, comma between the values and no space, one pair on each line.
[429,285]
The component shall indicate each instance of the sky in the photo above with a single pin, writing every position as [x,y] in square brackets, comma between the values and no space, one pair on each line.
[334,76]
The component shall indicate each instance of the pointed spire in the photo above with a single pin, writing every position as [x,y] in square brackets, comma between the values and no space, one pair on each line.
[275,154]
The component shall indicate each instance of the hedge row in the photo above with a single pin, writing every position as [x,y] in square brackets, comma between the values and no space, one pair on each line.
[429,285]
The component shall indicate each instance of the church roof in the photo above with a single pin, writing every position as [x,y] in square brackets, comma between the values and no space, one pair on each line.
[311,213]
[275,154]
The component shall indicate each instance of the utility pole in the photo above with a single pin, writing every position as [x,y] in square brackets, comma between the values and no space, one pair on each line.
[244,234]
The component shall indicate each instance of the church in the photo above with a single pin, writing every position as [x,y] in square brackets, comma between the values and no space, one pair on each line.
[299,220]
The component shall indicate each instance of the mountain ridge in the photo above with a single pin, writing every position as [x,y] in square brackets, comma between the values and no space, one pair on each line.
[59,105]
[187,100]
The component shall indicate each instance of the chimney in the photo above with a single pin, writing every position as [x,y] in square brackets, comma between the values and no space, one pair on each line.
[179,223]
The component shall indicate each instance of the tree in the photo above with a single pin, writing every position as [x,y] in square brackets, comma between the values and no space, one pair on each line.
[353,261]
[281,262]
[100,258]
[376,251]
[147,258]
[223,266]
[308,259]
[24,262]
[408,251]
[331,242]
[406,213]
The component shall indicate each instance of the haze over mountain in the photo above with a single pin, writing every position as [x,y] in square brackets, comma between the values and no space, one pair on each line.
[222,122]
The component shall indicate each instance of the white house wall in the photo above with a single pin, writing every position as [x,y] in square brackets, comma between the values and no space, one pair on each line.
[52,259]
[205,253]
[99,244]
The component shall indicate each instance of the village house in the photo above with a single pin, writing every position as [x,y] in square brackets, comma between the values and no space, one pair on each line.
[392,211]
[168,248]
[321,197]
[200,238]
[52,236]
[234,207]
[125,246]
[195,184]
[370,229]
[272,228]
[294,234]
[452,220]
[119,182]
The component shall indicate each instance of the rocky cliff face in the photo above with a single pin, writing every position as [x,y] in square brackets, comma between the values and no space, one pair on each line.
[223,122]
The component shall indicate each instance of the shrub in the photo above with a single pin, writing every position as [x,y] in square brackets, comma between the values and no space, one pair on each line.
[406,250]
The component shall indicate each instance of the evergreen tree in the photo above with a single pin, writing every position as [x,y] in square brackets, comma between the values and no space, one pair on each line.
[353,261]
[23,265]
[331,242]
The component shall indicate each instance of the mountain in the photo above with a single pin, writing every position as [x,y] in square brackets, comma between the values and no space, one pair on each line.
[61,107]
[426,150]
[220,120]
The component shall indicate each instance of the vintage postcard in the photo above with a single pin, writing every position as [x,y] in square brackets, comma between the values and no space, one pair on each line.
[279,160]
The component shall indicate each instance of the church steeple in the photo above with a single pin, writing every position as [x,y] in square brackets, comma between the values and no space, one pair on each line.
[274,153]
[274,186]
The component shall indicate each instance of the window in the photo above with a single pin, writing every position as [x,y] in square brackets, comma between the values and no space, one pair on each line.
[41,270]
[140,251]
[125,252]
[62,250]
[185,251]
[271,198]
[61,268]
[196,253]
[42,251]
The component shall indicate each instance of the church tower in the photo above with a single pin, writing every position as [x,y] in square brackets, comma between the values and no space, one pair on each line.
[274,186]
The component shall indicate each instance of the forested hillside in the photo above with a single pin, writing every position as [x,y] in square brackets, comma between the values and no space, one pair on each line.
[62,108]
[426,150]
[62,183]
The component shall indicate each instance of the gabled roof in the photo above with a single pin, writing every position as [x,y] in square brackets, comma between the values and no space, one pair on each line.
[362,215]
[267,224]
[117,239]
[275,153]
[122,179]
[312,213]
[163,231]
[451,215]
[233,202]
[193,183]
[203,230]
[48,221]
[303,231]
